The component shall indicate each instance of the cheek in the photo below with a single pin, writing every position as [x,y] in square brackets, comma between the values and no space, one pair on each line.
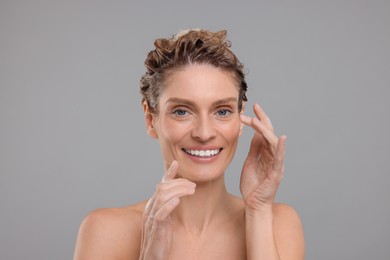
[171,132]
[232,130]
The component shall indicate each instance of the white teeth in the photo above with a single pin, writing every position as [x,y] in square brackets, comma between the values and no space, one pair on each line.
[203,153]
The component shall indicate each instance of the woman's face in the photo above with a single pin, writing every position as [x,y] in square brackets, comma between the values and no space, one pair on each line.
[198,121]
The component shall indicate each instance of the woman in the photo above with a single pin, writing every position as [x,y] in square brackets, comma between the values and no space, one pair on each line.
[193,100]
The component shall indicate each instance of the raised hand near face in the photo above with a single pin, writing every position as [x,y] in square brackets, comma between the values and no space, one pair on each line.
[157,228]
[264,166]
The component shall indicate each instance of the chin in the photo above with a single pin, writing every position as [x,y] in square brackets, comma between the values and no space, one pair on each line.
[201,173]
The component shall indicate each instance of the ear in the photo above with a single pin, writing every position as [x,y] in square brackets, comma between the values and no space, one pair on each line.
[149,120]
[242,112]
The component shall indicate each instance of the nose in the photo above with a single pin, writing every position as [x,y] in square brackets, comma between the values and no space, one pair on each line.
[203,129]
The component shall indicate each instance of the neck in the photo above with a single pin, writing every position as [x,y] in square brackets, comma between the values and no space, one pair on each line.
[209,203]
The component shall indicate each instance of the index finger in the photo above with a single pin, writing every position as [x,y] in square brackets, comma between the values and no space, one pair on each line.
[170,173]
[262,116]
[261,128]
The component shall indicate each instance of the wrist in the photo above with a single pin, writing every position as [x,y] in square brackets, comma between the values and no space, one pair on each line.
[259,211]
[260,238]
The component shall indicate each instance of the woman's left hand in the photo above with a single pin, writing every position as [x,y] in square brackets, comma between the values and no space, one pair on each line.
[264,166]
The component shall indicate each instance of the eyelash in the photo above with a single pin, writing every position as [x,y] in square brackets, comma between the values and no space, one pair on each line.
[180,112]
[177,111]
[225,110]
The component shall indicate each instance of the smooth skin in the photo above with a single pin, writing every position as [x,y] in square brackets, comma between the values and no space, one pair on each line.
[191,215]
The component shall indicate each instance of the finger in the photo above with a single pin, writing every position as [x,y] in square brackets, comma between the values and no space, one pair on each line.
[268,134]
[163,194]
[246,119]
[163,207]
[261,116]
[255,148]
[165,187]
[147,209]
[259,127]
[278,165]
[259,112]
[170,173]
[163,213]
[167,191]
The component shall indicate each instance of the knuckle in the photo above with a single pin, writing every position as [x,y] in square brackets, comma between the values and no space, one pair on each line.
[159,187]
[182,182]
[150,219]
[187,182]
[158,219]
[160,200]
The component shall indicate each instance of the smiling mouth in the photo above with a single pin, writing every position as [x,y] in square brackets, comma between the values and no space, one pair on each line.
[203,153]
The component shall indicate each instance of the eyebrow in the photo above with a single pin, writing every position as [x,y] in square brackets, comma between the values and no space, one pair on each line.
[190,103]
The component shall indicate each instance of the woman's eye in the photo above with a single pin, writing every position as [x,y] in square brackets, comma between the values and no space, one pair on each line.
[224,112]
[180,112]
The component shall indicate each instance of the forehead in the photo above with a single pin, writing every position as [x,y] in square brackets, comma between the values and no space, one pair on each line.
[200,81]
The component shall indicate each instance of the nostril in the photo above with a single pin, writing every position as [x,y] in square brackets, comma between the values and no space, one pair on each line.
[203,131]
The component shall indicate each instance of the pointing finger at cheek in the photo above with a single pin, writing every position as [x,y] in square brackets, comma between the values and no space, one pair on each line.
[245,119]
[170,173]
[261,128]
[263,116]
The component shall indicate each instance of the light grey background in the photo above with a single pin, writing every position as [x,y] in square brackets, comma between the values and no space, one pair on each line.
[72,136]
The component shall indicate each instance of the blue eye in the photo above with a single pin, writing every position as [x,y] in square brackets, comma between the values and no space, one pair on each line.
[180,112]
[223,112]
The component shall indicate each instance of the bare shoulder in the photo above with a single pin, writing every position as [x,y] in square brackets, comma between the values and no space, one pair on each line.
[288,231]
[110,233]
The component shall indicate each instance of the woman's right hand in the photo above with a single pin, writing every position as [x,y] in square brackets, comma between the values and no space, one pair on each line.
[157,228]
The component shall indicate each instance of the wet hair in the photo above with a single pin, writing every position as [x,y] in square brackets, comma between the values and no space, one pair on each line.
[193,46]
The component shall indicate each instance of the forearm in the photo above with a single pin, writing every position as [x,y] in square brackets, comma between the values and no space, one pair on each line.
[260,239]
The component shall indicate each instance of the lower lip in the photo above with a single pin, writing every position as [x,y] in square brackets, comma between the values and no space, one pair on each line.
[199,159]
